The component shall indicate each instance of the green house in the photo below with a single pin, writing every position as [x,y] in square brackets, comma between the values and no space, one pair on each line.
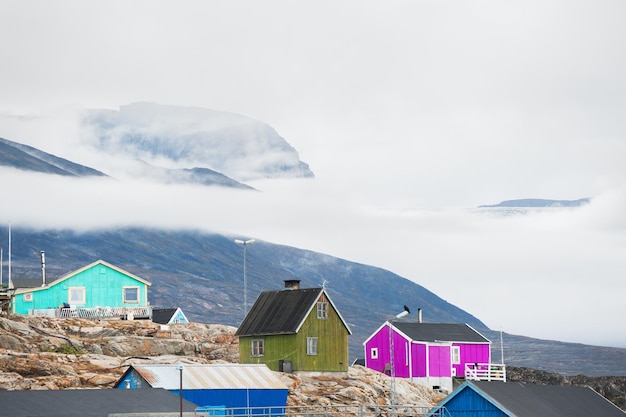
[295,330]
[96,290]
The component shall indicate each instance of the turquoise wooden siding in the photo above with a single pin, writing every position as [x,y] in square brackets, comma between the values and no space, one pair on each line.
[103,284]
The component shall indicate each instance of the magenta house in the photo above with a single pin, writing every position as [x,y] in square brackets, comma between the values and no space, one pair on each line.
[431,354]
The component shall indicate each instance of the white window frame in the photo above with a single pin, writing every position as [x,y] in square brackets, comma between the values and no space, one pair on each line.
[128,300]
[311,346]
[322,310]
[374,353]
[28,297]
[71,295]
[455,355]
[257,347]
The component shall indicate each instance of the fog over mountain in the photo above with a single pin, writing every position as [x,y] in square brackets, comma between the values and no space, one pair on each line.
[192,137]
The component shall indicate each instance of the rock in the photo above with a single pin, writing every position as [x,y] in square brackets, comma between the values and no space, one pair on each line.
[49,353]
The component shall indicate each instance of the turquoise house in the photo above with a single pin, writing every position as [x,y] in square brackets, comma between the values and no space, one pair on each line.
[98,290]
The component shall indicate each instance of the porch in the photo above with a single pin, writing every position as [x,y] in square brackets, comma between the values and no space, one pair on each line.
[96,313]
[485,371]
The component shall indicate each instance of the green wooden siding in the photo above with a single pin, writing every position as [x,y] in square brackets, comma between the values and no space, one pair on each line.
[104,287]
[332,345]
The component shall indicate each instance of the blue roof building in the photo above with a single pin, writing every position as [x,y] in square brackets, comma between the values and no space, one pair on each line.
[217,385]
[515,399]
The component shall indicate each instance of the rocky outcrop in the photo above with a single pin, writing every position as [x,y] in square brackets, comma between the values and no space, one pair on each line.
[49,353]
[361,386]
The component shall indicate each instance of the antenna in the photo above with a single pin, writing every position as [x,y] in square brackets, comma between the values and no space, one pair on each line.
[501,347]
[10,282]
[324,282]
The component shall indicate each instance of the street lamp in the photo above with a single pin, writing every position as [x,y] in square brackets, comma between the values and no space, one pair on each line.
[392,369]
[245,244]
[180,394]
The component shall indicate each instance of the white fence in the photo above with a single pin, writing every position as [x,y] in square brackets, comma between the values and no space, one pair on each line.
[97,313]
[485,372]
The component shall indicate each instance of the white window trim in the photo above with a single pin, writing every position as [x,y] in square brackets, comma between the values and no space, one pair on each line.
[374,353]
[28,297]
[83,293]
[311,346]
[126,301]
[322,310]
[257,347]
[455,355]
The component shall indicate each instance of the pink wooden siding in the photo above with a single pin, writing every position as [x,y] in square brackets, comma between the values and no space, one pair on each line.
[401,358]
[419,360]
[380,340]
[472,353]
[439,361]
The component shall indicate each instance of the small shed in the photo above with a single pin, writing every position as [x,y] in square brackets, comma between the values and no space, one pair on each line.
[231,386]
[516,399]
[168,315]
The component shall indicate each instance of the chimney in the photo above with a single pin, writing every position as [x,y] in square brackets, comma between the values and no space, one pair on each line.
[419,315]
[43,269]
[292,284]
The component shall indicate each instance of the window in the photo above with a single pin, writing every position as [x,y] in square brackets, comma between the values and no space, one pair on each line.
[455,354]
[76,295]
[131,294]
[374,353]
[311,345]
[257,347]
[28,298]
[322,310]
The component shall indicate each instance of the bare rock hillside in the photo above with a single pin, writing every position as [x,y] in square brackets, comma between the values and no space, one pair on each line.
[49,353]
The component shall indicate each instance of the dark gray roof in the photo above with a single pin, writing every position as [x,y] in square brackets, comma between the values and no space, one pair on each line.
[278,312]
[532,400]
[29,282]
[442,332]
[163,315]
[89,402]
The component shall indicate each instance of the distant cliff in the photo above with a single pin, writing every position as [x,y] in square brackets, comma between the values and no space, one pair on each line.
[538,203]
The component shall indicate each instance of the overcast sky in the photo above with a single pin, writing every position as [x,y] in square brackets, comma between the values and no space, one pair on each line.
[410,114]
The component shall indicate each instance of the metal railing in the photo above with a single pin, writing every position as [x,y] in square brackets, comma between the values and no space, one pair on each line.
[485,371]
[373,410]
[96,313]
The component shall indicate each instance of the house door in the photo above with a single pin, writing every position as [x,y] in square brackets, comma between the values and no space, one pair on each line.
[439,363]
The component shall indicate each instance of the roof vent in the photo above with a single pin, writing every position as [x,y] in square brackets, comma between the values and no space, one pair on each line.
[292,284]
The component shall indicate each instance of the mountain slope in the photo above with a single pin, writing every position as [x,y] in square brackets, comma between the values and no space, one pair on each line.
[203,274]
[27,158]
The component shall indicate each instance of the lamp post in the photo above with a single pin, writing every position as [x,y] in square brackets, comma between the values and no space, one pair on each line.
[180,394]
[245,244]
[392,369]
